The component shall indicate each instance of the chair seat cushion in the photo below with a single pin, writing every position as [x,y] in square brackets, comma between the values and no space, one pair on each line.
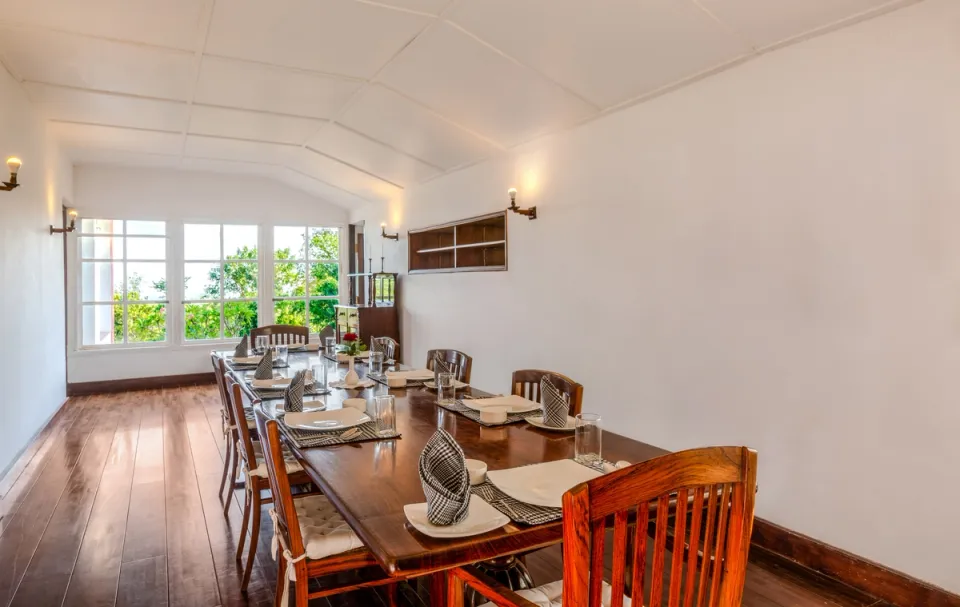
[290,462]
[551,595]
[323,529]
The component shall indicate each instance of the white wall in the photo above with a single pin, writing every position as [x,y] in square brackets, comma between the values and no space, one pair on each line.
[109,192]
[768,257]
[31,274]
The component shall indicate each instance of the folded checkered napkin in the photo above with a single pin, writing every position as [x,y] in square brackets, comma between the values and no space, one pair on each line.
[554,403]
[439,366]
[443,474]
[293,395]
[265,368]
[241,351]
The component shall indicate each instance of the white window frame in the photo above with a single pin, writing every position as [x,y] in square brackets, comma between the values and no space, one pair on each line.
[124,302]
[222,300]
[306,298]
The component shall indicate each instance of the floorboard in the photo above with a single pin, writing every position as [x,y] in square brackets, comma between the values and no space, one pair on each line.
[116,503]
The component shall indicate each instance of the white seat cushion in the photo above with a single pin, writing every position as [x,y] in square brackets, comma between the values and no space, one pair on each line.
[550,595]
[289,461]
[323,529]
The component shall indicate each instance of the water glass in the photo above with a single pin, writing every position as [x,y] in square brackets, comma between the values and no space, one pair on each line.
[587,448]
[386,411]
[376,363]
[281,353]
[261,343]
[319,373]
[330,346]
[446,393]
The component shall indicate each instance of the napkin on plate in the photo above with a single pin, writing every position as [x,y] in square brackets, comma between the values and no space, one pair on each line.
[293,394]
[265,367]
[446,483]
[241,351]
[554,404]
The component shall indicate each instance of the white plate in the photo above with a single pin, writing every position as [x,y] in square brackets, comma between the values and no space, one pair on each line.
[335,419]
[309,406]
[537,420]
[517,404]
[413,375]
[246,360]
[363,383]
[481,518]
[277,383]
[542,484]
[457,385]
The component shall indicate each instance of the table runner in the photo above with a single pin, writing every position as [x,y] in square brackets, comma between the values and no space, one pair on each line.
[326,438]
[512,418]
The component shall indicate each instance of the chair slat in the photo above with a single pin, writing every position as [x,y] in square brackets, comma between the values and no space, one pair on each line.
[619,576]
[659,551]
[640,553]
[718,550]
[597,533]
[679,535]
[707,539]
[693,548]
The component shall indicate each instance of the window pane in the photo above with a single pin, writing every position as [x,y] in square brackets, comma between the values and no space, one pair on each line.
[102,325]
[201,281]
[239,280]
[289,312]
[101,281]
[288,243]
[201,320]
[104,247]
[147,228]
[324,243]
[101,226]
[240,242]
[146,248]
[289,279]
[239,318]
[146,322]
[201,241]
[146,281]
[321,314]
[324,279]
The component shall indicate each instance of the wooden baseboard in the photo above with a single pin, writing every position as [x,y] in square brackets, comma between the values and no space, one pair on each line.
[139,383]
[865,575]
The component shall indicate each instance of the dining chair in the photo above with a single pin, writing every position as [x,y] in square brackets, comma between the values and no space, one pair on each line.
[282,334]
[312,539]
[327,331]
[251,456]
[231,461]
[667,499]
[460,363]
[388,345]
[526,383]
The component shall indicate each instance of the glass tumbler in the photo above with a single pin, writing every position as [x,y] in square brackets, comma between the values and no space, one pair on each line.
[446,393]
[386,408]
[376,363]
[261,343]
[319,373]
[587,448]
[330,346]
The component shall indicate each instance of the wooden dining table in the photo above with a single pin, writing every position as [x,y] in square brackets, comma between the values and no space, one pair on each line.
[370,482]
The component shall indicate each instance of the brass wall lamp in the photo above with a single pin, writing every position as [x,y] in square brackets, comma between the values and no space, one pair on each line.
[13,163]
[71,217]
[383,233]
[531,213]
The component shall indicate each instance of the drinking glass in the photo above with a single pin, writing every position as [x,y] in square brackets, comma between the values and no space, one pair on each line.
[330,346]
[319,373]
[587,448]
[376,363]
[261,343]
[446,393]
[386,408]
[281,353]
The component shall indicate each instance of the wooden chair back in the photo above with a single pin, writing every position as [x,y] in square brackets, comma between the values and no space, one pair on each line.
[327,331]
[281,334]
[288,524]
[459,362]
[698,502]
[240,398]
[526,383]
[390,347]
[218,374]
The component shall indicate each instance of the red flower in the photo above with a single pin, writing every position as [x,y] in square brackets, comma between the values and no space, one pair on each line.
[349,337]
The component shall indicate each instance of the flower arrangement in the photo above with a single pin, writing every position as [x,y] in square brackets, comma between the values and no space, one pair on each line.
[350,343]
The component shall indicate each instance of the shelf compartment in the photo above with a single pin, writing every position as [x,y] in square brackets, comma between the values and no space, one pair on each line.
[469,245]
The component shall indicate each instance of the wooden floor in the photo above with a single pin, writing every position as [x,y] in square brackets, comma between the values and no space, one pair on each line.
[115,503]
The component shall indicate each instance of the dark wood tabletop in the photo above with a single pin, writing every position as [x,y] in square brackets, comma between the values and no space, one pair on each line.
[370,482]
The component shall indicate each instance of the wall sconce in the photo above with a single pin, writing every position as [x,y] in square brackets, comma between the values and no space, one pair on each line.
[531,213]
[383,233]
[72,218]
[13,163]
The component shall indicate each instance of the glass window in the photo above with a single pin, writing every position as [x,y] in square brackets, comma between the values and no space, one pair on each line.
[220,280]
[123,282]
[306,275]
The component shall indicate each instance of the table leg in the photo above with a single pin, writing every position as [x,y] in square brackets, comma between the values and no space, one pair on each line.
[438,589]
[454,596]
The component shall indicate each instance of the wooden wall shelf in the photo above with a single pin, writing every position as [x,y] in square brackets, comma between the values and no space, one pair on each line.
[478,244]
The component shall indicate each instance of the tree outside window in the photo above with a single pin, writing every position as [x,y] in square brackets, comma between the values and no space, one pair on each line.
[306,276]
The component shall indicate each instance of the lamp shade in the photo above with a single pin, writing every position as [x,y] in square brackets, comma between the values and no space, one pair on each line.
[13,163]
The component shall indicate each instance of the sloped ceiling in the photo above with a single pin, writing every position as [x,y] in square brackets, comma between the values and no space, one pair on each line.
[355,100]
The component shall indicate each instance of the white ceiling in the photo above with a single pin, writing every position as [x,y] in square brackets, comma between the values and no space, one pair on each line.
[355,100]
